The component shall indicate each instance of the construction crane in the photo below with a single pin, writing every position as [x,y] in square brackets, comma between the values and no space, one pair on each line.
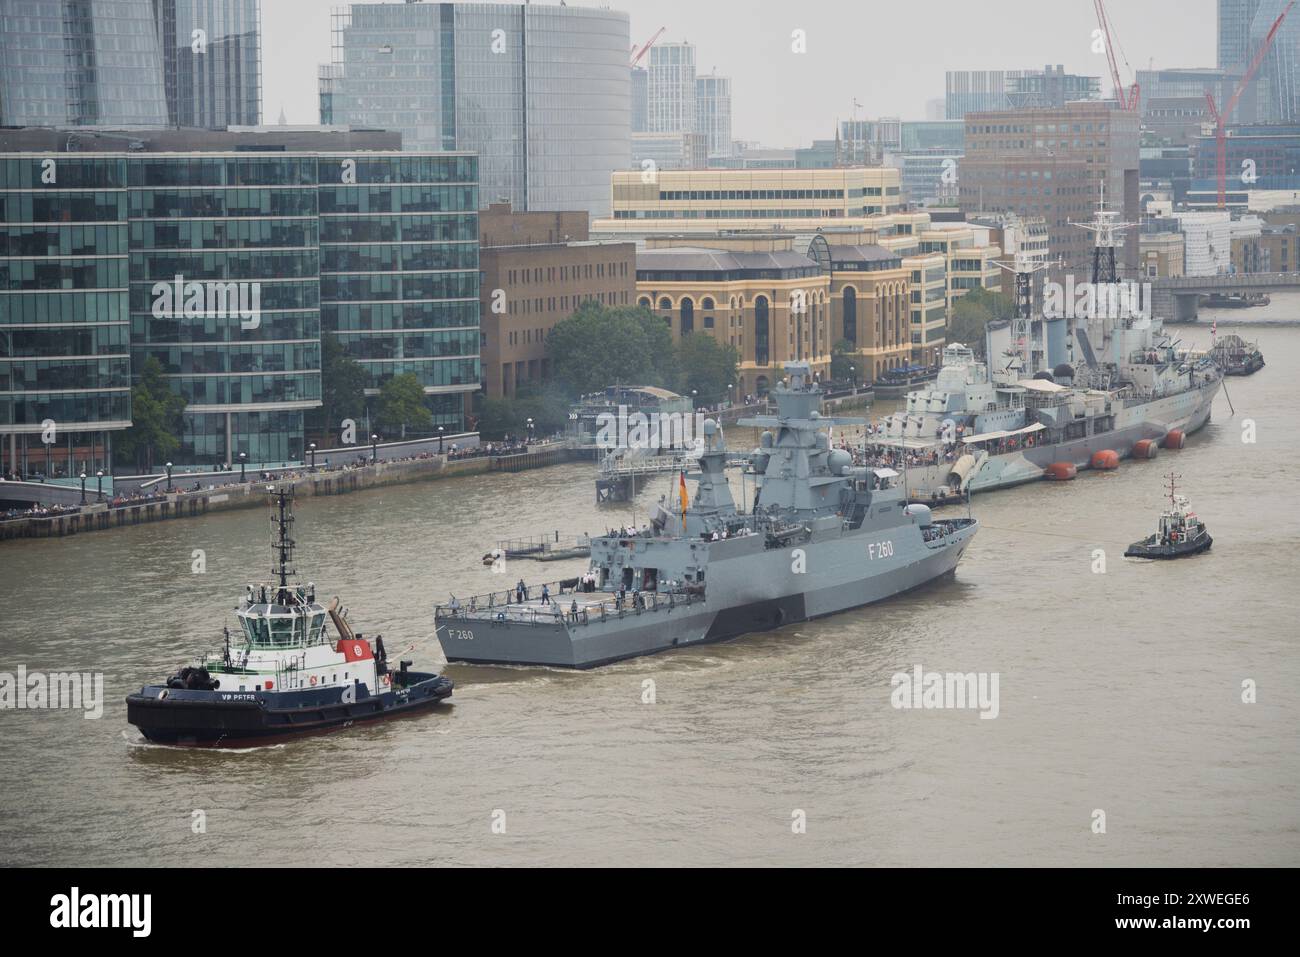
[638,54]
[1134,95]
[1221,118]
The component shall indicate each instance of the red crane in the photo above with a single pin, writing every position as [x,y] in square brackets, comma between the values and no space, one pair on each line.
[1221,119]
[638,54]
[1129,102]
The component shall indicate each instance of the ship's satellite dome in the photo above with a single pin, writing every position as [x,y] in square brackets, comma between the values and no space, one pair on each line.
[838,461]
[710,427]
[815,414]
[1063,371]
[766,439]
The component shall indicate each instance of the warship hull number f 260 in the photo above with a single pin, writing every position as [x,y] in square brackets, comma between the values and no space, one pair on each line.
[880,549]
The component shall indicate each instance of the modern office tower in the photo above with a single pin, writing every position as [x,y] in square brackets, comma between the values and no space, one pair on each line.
[865,142]
[399,279]
[242,245]
[1054,164]
[87,63]
[672,88]
[211,58]
[640,99]
[537,269]
[1173,101]
[1234,21]
[713,112]
[670,151]
[65,379]
[541,93]
[1276,90]
[970,91]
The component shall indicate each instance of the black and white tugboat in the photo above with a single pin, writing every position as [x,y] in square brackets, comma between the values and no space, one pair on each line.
[286,674]
[1180,532]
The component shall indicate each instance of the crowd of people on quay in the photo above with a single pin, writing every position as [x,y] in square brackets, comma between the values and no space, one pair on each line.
[506,447]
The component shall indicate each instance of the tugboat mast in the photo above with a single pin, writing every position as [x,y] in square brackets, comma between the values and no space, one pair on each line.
[1173,488]
[282,545]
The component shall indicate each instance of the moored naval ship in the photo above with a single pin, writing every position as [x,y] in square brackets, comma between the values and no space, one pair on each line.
[286,677]
[822,536]
[1052,403]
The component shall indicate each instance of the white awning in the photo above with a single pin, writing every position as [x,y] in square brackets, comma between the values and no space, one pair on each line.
[985,437]
[885,473]
[1040,385]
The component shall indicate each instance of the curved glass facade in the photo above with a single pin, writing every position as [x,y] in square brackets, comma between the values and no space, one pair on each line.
[80,62]
[64,332]
[541,93]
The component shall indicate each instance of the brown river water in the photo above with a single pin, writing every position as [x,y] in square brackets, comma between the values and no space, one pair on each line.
[1119,692]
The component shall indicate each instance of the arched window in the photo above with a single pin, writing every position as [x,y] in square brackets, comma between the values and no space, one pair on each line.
[706,304]
[761,354]
[644,301]
[851,314]
[688,316]
[761,386]
[665,303]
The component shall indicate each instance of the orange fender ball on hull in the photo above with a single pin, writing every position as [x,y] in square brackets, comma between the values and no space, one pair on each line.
[1175,439]
[1145,449]
[1106,459]
[1060,471]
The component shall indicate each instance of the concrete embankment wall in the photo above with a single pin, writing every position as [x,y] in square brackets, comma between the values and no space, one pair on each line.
[337,482]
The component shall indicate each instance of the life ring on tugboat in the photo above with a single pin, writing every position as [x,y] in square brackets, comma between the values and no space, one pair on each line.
[388,679]
[313,681]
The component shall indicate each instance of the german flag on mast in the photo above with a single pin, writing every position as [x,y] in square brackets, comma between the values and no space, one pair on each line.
[686,502]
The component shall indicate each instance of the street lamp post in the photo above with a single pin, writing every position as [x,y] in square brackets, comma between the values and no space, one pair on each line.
[440,439]
[313,456]
[83,488]
[169,476]
[99,491]
[530,430]
[731,392]
[242,457]
[374,449]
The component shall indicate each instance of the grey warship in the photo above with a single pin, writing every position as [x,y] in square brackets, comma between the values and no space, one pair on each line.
[822,536]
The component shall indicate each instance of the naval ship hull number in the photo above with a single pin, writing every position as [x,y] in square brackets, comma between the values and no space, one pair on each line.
[460,635]
[879,550]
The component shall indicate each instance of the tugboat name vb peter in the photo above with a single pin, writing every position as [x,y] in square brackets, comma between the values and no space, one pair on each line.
[1180,532]
[287,677]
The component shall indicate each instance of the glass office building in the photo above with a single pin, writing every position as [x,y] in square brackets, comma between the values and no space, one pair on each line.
[80,63]
[399,274]
[211,55]
[541,93]
[222,256]
[64,331]
[242,228]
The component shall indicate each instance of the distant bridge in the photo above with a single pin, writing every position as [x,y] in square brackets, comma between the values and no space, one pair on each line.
[1175,300]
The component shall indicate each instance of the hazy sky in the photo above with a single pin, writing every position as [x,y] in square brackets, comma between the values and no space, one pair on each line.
[888,54]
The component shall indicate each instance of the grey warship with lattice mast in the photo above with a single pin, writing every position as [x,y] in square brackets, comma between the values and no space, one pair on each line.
[821,536]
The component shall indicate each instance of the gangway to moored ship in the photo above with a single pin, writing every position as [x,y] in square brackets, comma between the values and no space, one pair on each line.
[542,548]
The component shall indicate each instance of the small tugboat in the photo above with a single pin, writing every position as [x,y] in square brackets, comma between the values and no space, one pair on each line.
[1180,533]
[286,677]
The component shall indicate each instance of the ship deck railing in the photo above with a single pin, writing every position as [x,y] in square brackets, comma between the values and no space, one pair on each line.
[593,607]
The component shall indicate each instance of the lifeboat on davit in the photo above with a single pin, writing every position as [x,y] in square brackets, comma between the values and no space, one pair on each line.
[1105,460]
[1146,449]
[1174,439]
[1060,471]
